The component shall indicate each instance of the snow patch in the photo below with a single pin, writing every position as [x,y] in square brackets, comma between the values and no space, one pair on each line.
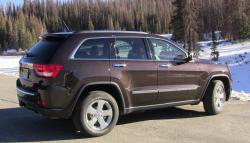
[9,65]
[240,96]
[237,57]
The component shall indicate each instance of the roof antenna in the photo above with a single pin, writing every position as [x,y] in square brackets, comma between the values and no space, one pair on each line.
[65,27]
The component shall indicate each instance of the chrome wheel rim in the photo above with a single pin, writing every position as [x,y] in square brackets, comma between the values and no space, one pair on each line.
[99,115]
[219,98]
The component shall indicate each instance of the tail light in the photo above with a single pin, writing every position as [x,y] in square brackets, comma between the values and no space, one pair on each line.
[42,103]
[47,70]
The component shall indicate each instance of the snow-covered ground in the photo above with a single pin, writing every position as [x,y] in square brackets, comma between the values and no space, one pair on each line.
[237,56]
[9,65]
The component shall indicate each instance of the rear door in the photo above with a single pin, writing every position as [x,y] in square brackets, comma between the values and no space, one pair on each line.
[133,69]
[178,80]
[91,61]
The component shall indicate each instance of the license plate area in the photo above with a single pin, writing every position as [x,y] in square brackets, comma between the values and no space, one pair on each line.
[24,72]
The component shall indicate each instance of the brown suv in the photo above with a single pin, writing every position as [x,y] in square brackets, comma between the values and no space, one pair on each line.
[95,76]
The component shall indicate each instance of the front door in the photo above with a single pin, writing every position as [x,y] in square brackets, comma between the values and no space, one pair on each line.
[133,69]
[178,80]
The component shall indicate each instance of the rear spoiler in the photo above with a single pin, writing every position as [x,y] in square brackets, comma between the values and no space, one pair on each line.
[55,36]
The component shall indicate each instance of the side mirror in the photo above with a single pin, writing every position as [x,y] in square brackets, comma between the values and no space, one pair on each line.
[190,56]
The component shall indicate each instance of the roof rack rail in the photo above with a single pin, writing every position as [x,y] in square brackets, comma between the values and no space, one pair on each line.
[112,31]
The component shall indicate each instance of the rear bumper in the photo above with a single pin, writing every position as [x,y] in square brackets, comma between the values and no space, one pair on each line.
[30,99]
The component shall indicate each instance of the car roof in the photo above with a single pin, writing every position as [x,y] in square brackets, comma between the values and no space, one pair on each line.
[96,32]
[102,33]
[113,31]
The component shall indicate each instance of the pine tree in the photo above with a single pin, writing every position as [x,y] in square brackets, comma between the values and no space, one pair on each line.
[117,25]
[244,31]
[90,24]
[177,22]
[110,24]
[215,52]
[190,25]
[3,31]
[21,31]
[184,23]
[12,39]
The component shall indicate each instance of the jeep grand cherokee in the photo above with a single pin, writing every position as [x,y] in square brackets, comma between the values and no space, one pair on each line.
[95,76]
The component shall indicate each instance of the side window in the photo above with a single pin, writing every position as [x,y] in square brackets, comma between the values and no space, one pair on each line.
[166,51]
[129,48]
[94,49]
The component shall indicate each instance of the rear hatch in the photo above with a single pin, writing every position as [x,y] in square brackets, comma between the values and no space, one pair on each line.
[35,67]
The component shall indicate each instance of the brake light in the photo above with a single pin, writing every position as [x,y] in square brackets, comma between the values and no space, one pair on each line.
[42,102]
[47,70]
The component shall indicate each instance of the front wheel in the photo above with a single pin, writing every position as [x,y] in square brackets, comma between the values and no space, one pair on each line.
[215,97]
[97,114]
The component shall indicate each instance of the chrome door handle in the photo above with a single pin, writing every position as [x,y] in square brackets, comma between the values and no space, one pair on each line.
[165,65]
[119,65]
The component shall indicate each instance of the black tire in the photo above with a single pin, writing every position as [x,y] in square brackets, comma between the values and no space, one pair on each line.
[80,115]
[209,101]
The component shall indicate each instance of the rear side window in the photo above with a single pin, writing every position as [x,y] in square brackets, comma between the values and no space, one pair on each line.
[94,49]
[44,49]
[129,48]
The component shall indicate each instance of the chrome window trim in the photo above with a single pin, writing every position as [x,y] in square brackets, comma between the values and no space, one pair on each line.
[72,55]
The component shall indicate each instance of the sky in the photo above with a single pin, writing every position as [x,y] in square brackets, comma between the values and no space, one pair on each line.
[17,2]
[4,2]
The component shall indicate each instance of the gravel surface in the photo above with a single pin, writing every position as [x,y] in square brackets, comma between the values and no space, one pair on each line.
[175,125]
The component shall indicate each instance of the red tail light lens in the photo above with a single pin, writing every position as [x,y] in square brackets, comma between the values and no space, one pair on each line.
[42,102]
[47,70]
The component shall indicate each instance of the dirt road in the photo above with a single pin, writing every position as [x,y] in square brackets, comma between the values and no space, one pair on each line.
[182,124]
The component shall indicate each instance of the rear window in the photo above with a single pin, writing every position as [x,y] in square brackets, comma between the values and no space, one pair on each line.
[44,49]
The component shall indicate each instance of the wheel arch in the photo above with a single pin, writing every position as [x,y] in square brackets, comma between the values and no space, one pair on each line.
[110,87]
[226,81]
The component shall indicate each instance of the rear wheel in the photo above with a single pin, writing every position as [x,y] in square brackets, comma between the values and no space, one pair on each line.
[97,114]
[215,97]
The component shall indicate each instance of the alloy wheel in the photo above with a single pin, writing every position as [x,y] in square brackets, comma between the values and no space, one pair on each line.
[99,115]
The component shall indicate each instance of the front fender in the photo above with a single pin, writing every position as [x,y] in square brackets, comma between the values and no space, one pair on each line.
[226,79]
